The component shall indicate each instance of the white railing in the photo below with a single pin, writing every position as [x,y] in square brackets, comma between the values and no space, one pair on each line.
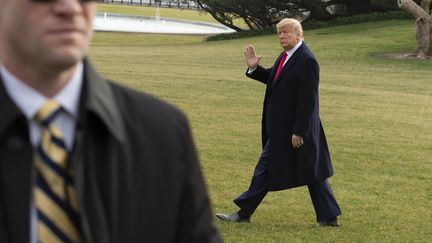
[160,3]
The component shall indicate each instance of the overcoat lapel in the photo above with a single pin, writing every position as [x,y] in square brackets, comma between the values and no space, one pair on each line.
[15,172]
[98,106]
[274,69]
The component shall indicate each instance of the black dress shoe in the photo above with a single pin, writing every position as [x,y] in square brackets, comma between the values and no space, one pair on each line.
[235,217]
[329,223]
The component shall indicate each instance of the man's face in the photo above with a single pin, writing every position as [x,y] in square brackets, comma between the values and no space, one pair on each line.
[288,38]
[52,34]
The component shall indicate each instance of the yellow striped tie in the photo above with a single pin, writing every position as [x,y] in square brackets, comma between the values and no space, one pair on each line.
[54,192]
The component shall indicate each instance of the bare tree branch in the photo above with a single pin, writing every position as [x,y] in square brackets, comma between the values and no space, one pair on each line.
[413,8]
[218,18]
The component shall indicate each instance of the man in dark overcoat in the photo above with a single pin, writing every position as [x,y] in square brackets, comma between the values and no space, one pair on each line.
[83,159]
[295,151]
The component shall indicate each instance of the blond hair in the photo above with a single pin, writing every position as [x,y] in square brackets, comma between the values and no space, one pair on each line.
[298,29]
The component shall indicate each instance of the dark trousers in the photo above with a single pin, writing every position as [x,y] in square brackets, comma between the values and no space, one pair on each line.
[322,196]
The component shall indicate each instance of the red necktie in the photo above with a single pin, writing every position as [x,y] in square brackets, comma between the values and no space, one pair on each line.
[281,64]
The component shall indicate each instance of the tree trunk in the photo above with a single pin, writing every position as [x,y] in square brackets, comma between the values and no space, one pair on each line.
[426,5]
[423,25]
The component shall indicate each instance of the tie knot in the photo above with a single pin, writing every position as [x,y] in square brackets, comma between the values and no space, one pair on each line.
[284,56]
[47,112]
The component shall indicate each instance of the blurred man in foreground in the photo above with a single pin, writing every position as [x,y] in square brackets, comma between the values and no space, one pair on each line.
[81,158]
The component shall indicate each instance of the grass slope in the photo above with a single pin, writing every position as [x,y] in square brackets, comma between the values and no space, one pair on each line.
[377,114]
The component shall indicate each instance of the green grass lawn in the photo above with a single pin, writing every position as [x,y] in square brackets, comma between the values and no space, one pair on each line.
[377,114]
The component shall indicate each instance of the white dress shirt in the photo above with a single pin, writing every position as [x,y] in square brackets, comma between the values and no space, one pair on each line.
[289,55]
[29,101]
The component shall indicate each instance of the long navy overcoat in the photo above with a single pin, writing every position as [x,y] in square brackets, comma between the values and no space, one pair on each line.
[293,108]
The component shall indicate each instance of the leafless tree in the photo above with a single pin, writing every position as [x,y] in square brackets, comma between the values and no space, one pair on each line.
[423,25]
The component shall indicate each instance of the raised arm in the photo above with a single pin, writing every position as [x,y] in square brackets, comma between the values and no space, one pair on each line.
[255,71]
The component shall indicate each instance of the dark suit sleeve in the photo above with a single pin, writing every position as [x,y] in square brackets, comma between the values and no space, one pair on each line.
[4,234]
[260,74]
[196,221]
[307,98]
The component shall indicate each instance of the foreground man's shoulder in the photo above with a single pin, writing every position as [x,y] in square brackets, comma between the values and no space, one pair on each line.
[145,104]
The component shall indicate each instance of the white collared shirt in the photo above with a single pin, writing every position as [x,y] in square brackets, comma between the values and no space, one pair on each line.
[289,53]
[292,50]
[29,101]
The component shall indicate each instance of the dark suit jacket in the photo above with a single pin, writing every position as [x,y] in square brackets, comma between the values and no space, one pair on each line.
[137,173]
[291,107]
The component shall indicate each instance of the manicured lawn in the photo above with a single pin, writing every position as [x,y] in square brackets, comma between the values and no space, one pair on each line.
[377,114]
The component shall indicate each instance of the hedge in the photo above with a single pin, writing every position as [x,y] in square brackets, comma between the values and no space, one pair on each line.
[315,24]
